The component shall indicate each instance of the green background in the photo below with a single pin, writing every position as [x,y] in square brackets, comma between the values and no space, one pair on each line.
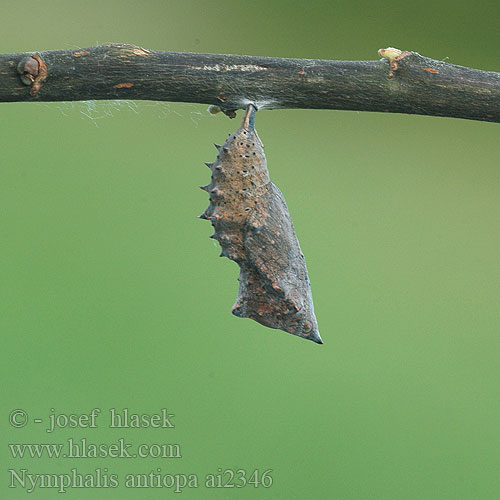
[112,295]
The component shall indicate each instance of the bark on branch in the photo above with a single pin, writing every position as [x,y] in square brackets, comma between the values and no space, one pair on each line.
[400,82]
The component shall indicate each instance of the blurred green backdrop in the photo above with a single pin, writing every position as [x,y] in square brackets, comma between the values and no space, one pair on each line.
[112,295]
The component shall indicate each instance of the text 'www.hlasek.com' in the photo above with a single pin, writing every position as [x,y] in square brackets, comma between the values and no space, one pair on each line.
[167,459]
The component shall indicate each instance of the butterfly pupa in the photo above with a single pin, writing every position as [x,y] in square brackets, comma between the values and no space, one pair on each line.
[253,227]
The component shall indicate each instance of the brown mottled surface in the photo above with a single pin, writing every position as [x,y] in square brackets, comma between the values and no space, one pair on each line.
[254,228]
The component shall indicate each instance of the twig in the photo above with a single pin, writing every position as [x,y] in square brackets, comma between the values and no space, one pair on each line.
[400,82]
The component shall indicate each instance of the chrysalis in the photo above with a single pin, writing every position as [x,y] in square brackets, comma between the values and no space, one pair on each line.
[253,226]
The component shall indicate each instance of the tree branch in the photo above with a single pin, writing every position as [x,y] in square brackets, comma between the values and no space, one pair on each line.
[400,82]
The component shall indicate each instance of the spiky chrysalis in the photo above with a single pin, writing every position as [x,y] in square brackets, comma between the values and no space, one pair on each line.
[254,228]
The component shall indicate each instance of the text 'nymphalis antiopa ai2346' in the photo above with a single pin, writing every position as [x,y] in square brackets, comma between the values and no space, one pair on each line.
[254,228]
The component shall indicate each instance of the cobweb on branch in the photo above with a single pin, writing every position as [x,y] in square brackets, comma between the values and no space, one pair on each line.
[96,111]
